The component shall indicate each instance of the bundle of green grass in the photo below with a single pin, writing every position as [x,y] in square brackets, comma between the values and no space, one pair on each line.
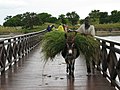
[54,42]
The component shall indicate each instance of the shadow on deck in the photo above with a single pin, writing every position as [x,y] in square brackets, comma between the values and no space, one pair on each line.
[29,74]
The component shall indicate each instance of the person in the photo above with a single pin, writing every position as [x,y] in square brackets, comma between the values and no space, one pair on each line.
[65,27]
[60,28]
[48,28]
[86,28]
[53,28]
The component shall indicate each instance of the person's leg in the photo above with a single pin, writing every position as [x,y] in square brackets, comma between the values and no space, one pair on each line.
[88,67]
[93,66]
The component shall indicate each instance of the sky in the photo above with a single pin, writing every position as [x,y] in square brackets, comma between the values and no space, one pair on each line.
[56,7]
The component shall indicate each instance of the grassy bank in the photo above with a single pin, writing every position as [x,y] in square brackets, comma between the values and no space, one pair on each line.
[108,26]
[19,30]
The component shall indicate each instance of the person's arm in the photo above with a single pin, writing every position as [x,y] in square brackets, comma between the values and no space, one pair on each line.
[80,29]
[92,30]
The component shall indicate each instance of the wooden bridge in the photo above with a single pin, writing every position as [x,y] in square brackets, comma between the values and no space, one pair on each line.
[22,68]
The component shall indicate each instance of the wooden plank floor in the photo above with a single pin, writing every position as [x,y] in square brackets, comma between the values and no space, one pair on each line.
[29,74]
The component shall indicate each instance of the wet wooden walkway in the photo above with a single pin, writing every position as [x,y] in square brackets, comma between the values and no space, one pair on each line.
[29,74]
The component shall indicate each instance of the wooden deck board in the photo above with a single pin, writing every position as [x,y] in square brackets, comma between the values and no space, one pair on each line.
[29,74]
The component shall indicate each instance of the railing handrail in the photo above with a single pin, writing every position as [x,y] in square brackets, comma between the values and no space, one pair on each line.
[108,62]
[107,40]
[32,33]
[13,48]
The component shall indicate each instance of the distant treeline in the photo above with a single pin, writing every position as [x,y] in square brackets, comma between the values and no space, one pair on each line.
[29,19]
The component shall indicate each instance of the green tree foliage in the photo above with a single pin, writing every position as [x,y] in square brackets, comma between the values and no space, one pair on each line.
[7,18]
[13,21]
[98,17]
[104,18]
[62,19]
[44,17]
[30,19]
[52,20]
[115,16]
[73,17]
[95,15]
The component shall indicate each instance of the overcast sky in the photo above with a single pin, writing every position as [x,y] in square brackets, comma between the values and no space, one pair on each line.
[56,7]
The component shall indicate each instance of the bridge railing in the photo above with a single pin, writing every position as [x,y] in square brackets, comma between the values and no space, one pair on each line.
[109,62]
[14,48]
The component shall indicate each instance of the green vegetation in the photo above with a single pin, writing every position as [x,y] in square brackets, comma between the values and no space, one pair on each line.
[54,42]
[31,22]
[108,26]
[8,30]
[19,30]
[29,19]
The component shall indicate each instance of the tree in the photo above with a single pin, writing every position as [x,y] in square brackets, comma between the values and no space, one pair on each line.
[52,20]
[44,17]
[62,19]
[7,21]
[73,17]
[115,16]
[29,20]
[104,17]
[7,18]
[13,21]
[94,16]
